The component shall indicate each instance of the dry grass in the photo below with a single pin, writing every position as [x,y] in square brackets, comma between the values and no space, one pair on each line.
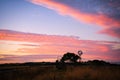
[71,73]
[83,73]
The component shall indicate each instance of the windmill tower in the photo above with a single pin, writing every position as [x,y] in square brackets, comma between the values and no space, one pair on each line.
[80,53]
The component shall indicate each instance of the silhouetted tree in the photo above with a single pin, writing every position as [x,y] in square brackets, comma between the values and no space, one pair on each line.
[72,57]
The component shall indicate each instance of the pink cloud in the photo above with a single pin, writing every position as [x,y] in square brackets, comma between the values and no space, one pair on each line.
[99,19]
[58,45]
[115,32]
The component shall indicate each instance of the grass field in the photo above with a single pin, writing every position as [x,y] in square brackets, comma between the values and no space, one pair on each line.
[50,72]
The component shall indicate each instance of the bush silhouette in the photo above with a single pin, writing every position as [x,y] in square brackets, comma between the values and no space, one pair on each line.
[72,57]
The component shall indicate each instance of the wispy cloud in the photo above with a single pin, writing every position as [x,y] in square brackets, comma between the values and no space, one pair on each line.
[102,13]
[26,58]
[21,44]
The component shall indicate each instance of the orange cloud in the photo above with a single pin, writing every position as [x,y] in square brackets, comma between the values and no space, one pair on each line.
[99,19]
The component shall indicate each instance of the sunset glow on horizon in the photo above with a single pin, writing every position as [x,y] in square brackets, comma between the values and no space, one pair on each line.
[43,30]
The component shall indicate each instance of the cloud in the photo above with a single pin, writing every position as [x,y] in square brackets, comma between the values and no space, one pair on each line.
[29,37]
[112,31]
[25,44]
[26,58]
[103,13]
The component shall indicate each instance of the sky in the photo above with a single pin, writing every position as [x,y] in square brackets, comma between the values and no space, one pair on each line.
[44,30]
